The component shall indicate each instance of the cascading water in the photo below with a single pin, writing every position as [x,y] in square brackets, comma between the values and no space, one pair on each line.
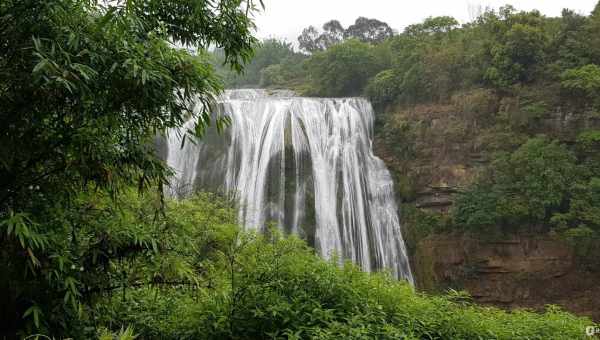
[306,164]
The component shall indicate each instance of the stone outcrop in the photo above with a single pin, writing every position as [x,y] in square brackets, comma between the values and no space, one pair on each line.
[519,271]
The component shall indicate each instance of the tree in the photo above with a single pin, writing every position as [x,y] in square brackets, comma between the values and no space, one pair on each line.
[369,30]
[311,40]
[308,40]
[592,36]
[333,33]
[344,69]
[433,25]
[384,88]
[518,46]
[570,47]
[334,29]
[84,88]
[366,30]
[523,188]
[583,82]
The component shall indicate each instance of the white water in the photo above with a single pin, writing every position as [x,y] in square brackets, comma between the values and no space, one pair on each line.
[307,164]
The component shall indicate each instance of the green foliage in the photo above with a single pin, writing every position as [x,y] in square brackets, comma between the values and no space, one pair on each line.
[123,334]
[569,47]
[584,207]
[272,75]
[85,87]
[523,188]
[257,286]
[589,141]
[191,273]
[433,60]
[343,69]
[383,88]
[541,184]
[419,224]
[107,247]
[583,81]
[364,29]
[369,30]
[433,26]
[271,53]
[477,208]
[541,172]
[427,59]
[516,56]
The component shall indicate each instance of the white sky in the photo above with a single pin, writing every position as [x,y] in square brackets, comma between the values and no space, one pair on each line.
[285,19]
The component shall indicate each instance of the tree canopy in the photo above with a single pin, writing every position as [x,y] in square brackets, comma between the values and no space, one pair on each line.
[364,29]
[85,86]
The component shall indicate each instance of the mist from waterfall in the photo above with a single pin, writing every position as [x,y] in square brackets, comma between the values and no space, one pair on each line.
[307,165]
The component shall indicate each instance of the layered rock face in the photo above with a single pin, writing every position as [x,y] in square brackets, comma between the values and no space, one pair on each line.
[520,271]
[434,151]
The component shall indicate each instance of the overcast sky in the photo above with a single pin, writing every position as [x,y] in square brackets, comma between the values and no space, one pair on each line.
[285,19]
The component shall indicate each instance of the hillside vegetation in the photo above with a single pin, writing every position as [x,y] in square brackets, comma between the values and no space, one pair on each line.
[191,273]
[502,113]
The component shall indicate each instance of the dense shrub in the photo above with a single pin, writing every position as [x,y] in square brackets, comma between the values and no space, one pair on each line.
[523,188]
[383,89]
[583,82]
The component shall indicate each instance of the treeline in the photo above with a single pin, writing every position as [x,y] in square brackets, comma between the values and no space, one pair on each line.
[502,50]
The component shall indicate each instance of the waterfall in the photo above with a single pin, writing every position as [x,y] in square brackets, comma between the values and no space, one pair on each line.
[307,165]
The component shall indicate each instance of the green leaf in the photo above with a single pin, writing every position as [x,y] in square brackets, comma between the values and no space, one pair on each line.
[36,312]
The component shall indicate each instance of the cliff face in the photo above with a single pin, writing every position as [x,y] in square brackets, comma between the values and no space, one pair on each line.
[434,152]
[519,271]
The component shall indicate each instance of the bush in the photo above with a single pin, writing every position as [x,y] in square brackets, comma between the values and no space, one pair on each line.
[191,274]
[523,188]
[272,75]
[583,81]
[477,208]
[383,89]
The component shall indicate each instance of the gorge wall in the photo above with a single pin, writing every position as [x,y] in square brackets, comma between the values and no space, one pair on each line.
[434,152]
[523,271]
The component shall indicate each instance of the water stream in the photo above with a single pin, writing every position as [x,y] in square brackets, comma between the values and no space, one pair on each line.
[307,165]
